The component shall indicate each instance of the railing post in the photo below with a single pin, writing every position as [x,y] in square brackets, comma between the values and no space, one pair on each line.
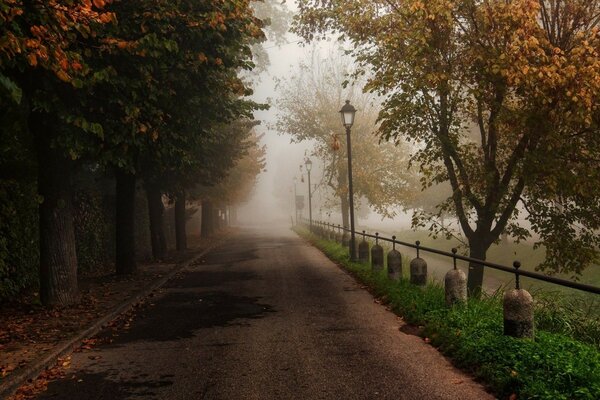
[518,310]
[418,269]
[377,255]
[394,262]
[455,284]
[363,250]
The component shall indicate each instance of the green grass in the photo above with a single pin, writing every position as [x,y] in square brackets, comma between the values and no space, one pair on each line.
[553,366]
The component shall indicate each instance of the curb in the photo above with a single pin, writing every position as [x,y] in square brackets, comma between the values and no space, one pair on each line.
[15,381]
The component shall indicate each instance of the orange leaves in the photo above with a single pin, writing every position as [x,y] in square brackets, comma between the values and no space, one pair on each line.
[99,3]
[105,18]
[32,59]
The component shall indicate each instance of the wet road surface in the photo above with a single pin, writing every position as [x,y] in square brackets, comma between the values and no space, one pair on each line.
[265,316]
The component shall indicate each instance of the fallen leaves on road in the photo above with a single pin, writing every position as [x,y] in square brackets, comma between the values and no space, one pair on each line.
[39,385]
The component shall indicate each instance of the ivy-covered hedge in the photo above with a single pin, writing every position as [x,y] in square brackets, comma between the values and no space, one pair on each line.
[19,255]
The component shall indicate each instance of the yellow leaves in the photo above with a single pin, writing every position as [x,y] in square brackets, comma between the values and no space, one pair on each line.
[63,76]
[202,57]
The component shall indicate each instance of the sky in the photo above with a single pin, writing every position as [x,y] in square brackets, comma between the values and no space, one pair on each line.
[281,153]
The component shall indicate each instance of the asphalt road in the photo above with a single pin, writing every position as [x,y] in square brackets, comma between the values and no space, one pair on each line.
[264,317]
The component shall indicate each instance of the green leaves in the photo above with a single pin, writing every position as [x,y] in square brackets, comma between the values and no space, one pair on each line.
[10,87]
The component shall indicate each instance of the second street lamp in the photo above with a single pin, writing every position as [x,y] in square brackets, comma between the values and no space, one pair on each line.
[347,113]
[296,199]
[308,165]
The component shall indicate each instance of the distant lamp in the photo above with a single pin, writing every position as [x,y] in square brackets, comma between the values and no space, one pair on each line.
[308,164]
[348,112]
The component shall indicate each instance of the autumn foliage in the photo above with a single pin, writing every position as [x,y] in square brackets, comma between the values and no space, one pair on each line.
[135,91]
[501,98]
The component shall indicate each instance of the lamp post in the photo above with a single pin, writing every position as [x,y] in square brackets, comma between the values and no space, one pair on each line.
[348,112]
[296,199]
[308,165]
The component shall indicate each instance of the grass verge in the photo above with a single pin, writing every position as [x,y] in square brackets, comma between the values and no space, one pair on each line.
[553,366]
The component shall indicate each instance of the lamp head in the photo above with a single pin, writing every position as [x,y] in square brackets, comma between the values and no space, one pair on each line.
[308,164]
[348,112]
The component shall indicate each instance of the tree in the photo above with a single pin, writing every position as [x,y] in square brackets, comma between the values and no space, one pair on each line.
[310,102]
[523,75]
[163,63]
[41,64]
[239,162]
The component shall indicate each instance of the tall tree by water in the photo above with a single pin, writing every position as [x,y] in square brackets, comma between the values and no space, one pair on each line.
[524,75]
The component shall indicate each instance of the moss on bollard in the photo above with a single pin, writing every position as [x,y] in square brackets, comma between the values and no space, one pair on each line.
[394,265]
[455,284]
[394,262]
[363,250]
[518,310]
[418,272]
[345,239]
[377,255]
[518,313]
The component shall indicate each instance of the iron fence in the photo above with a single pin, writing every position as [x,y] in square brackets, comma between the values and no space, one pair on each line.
[515,269]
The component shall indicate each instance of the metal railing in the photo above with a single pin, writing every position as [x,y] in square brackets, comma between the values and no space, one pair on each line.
[515,269]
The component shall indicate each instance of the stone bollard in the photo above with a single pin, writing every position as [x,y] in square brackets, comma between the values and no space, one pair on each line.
[455,284]
[394,262]
[363,250]
[345,239]
[338,235]
[518,310]
[377,255]
[418,269]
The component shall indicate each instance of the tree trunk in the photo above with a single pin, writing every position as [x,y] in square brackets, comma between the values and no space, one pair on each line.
[216,219]
[157,230]
[233,218]
[207,228]
[180,220]
[125,222]
[478,250]
[58,256]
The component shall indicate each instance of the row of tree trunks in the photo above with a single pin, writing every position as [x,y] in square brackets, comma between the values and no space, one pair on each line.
[156,211]
[58,256]
[212,219]
[180,220]
[208,227]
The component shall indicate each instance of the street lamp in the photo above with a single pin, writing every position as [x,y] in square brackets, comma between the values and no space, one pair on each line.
[308,165]
[296,199]
[347,113]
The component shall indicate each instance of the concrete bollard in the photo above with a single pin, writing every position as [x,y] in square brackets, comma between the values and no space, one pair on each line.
[394,262]
[418,269]
[518,310]
[377,255]
[345,239]
[455,285]
[338,235]
[363,250]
